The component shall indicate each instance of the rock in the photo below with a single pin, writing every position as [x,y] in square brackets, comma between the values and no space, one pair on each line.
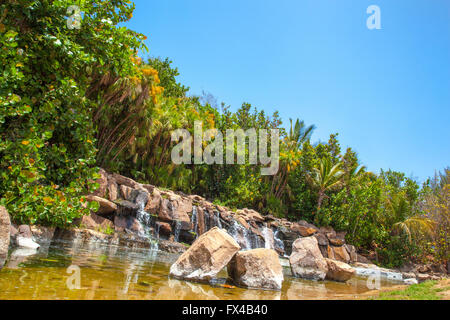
[338,253]
[438,268]
[5,227]
[243,222]
[304,231]
[154,202]
[103,184]
[26,242]
[25,231]
[123,223]
[164,228]
[126,192]
[411,281]
[269,218]
[351,250]
[126,208]
[321,239]
[424,269]
[423,277]
[258,268]
[201,221]
[95,222]
[13,232]
[113,189]
[209,254]
[171,210]
[42,234]
[306,259]
[337,242]
[362,259]
[121,180]
[339,271]
[324,251]
[106,206]
[409,275]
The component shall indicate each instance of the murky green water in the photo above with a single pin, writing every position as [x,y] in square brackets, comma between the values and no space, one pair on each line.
[109,272]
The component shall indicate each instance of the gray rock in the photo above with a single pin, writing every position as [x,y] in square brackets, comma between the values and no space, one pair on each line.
[257,268]
[307,261]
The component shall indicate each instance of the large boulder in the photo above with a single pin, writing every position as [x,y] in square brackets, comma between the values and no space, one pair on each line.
[339,271]
[306,259]
[5,226]
[258,268]
[209,254]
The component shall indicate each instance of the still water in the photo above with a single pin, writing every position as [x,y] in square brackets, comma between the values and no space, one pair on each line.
[108,272]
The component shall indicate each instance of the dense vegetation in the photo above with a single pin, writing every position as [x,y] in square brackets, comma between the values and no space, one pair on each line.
[73,100]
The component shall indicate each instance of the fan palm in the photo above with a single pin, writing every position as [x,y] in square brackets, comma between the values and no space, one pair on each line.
[326,178]
[398,209]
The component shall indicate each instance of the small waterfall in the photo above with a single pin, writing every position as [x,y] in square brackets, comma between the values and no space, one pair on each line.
[241,235]
[268,238]
[148,223]
[195,220]
[145,220]
[217,219]
[278,242]
[177,230]
[207,219]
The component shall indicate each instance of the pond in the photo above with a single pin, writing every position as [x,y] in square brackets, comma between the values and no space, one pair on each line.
[108,272]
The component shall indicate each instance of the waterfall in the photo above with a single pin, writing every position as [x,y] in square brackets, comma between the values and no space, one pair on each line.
[195,220]
[217,219]
[278,242]
[144,219]
[268,238]
[206,218]
[177,230]
[241,235]
[148,224]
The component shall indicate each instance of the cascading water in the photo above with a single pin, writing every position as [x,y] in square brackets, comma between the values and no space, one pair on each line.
[268,238]
[206,219]
[278,242]
[177,230]
[195,220]
[148,223]
[240,234]
[217,219]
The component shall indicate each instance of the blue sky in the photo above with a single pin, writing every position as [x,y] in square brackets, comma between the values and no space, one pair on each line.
[387,92]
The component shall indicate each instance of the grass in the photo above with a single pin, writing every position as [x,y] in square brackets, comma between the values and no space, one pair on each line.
[424,291]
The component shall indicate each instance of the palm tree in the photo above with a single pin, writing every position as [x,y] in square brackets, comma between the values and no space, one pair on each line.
[298,135]
[326,178]
[399,209]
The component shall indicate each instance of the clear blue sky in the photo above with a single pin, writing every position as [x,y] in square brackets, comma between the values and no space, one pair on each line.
[387,92]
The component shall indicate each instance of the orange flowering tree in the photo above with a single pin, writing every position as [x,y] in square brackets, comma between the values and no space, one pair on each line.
[48,52]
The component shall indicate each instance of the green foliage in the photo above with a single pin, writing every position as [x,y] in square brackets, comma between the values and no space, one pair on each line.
[47,152]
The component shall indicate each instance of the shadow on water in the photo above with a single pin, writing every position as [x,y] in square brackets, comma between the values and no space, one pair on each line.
[110,272]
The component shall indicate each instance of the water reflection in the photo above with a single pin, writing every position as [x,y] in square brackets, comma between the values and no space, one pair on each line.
[111,272]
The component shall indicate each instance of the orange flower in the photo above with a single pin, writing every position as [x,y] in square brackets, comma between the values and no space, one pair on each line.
[25,142]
